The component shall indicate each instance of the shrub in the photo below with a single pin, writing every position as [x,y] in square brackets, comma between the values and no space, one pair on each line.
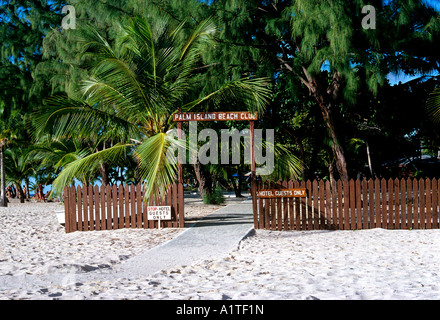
[216,197]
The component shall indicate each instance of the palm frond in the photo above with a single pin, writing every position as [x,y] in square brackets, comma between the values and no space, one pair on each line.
[66,117]
[90,163]
[286,164]
[433,105]
[252,93]
[155,169]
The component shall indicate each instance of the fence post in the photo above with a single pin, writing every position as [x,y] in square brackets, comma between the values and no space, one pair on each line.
[358,205]
[97,209]
[91,215]
[422,203]
[334,204]
[384,204]
[103,215]
[390,210]
[428,190]
[410,204]
[79,208]
[352,205]
[396,208]
[291,207]
[365,204]
[434,203]
[403,203]
[315,213]
[285,205]
[322,217]
[108,195]
[66,196]
[328,203]
[261,215]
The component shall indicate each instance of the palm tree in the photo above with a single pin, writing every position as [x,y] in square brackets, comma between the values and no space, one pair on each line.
[6,136]
[3,202]
[18,167]
[55,153]
[134,89]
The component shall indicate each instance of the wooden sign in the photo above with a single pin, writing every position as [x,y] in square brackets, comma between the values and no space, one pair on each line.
[282,193]
[216,116]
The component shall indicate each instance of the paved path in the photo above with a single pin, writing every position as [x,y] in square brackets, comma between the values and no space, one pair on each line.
[213,236]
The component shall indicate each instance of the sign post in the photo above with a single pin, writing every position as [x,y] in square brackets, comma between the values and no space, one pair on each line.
[253,176]
[180,190]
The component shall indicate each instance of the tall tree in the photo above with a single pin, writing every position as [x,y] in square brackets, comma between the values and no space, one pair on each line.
[331,36]
[23,26]
[136,86]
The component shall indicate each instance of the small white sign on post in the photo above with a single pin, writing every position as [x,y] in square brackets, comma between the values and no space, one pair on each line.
[159,213]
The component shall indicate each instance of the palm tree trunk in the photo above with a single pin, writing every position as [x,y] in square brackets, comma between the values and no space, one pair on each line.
[3,201]
[26,183]
[21,195]
[104,174]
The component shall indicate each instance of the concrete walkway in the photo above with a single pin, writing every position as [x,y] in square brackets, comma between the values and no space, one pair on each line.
[213,236]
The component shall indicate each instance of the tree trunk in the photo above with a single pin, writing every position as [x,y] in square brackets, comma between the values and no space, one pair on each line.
[3,201]
[337,149]
[326,100]
[370,166]
[303,157]
[26,184]
[104,174]
[331,172]
[20,192]
[234,185]
[204,179]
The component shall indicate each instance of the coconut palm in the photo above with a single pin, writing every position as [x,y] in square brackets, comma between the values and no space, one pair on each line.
[19,167]
[134,89]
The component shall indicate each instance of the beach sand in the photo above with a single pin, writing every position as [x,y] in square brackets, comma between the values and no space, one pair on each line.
[364,264]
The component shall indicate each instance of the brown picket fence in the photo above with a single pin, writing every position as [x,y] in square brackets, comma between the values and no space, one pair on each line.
[116,207]
[352,205]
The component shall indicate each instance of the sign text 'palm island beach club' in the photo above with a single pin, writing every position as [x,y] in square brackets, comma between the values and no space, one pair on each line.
[215,116]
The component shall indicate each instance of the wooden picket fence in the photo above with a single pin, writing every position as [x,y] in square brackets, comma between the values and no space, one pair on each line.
[352,205]
[111,207]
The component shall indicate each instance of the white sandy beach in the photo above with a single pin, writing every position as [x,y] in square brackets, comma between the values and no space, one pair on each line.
[366,264]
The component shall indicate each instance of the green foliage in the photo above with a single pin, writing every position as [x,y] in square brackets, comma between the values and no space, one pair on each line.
[215,197]
[136,86]
[433,105]
[107,93]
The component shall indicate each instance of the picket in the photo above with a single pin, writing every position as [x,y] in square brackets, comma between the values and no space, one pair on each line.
[343,205]
[353,204]
[110,207]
